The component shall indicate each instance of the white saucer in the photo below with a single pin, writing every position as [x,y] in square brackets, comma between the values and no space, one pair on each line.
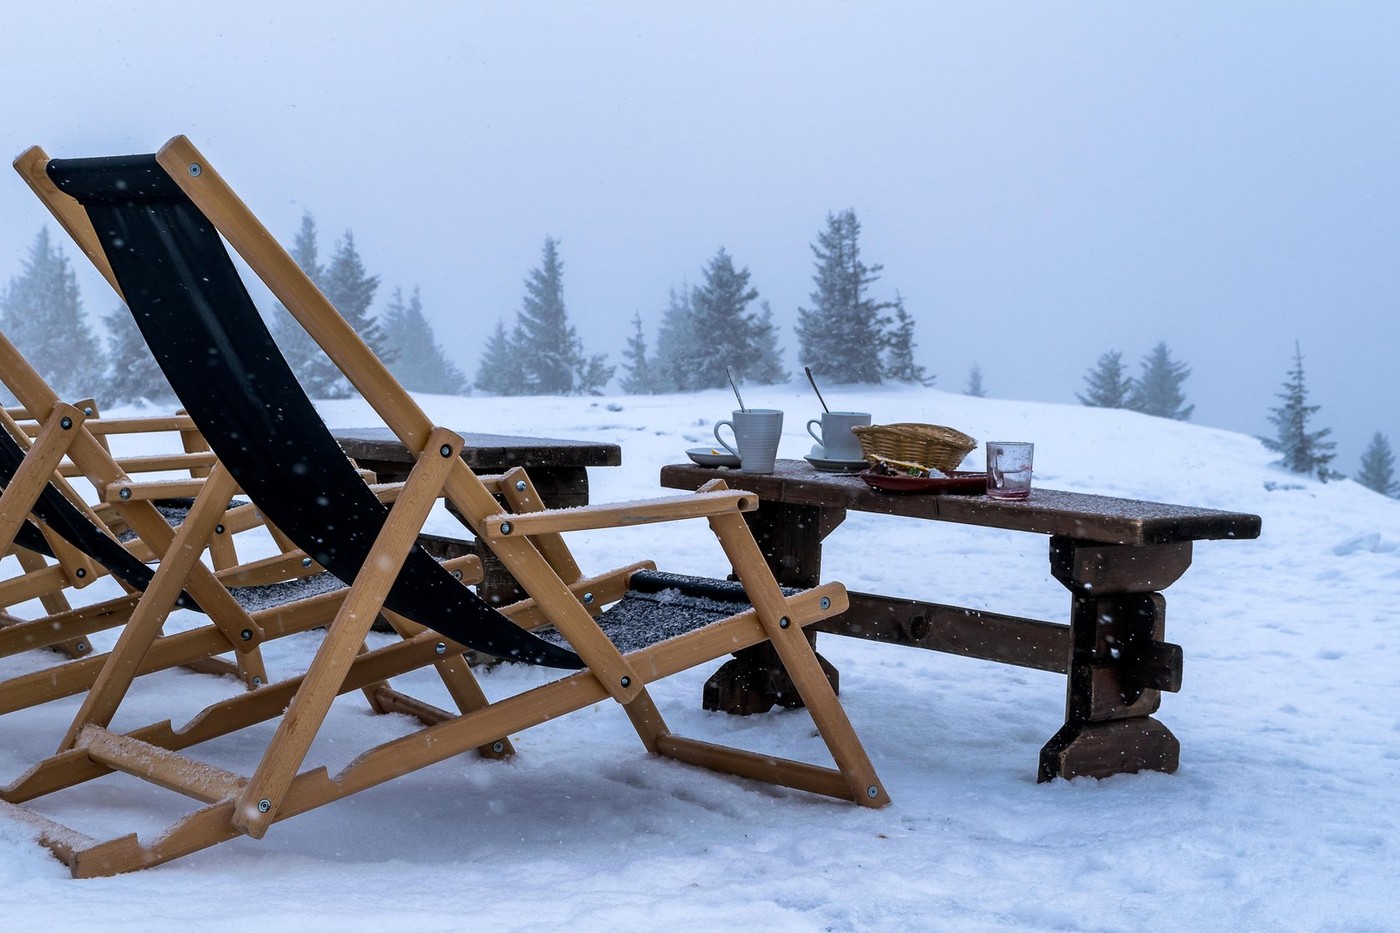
[822,465]
[707,457]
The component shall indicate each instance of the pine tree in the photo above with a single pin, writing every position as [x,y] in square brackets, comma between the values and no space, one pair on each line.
[499,371]
[842,335]
[719,309]
[317,374]
[640,378]
[132,372]
[677,345]
[766,367]
[1107,385]
[899,362]
[549,351]
[416,359]
[1158,390]
[591,374]
[974,383]
[351,289]
[41,312]
[1378,467]
[1303,451]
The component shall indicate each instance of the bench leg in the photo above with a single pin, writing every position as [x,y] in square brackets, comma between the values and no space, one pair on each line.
[754,681]
[1119,664]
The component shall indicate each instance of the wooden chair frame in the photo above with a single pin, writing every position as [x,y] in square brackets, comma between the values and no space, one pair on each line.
[71,439]
[530,547]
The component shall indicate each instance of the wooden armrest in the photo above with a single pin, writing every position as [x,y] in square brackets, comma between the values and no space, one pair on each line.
[622,514]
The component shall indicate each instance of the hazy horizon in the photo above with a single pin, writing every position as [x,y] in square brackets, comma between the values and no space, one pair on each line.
[1041,182]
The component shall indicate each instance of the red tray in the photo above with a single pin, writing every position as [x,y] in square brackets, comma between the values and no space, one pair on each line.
[954,484]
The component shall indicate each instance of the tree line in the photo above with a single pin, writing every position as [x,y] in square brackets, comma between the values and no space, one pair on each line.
[845,332]
[1158,390]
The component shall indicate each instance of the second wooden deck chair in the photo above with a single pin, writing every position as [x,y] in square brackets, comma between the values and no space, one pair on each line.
[160,220]
[249,603]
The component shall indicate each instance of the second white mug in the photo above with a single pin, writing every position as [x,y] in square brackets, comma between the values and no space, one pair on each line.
[837,440]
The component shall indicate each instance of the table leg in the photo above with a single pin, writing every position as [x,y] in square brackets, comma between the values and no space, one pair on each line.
[790,537]
[1119,664]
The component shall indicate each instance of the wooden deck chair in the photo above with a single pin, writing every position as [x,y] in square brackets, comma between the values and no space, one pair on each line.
[160,220]
[45,517]
[275,596]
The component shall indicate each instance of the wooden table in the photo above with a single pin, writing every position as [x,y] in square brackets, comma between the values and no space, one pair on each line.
[1115,556]
[558,469]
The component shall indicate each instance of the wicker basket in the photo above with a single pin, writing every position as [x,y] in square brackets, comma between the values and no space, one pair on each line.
[929,445]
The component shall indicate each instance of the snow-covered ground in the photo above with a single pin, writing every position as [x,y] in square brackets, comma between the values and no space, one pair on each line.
[1282,816]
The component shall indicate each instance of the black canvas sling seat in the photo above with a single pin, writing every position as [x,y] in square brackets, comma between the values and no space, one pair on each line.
[195,313]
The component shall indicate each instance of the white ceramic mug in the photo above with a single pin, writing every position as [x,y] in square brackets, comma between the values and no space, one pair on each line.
[837,440]
[756,435]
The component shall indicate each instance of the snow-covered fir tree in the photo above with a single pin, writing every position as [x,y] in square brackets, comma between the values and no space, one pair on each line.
[314,370]
[591,374]
[766,366]
[1303,451]
[351,289]
[639,371]
[41,312]
[549,352]
[543,338]
[132,372]
[1107,385]
[723,325]
[974,383]
[1378,467]
[499,371]
[677,350]
[415,357]
[842,334]
[899,364]
[1158,390]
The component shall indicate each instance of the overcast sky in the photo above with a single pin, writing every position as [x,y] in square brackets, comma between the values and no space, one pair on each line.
[1042,182]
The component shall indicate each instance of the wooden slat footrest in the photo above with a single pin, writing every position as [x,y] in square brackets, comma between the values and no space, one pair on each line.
[219,667]
[203,782]
[798,775]
[389,700]
[62,841]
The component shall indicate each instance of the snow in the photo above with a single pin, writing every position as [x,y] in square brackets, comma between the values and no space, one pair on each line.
[1282,815]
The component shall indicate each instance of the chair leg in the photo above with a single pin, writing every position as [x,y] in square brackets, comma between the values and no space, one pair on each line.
[257,806]
[800,661]
[124,661]
[462,685]
[54,603]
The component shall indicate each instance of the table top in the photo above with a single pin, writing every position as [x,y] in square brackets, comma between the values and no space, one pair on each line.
[1047,511]
[485,451]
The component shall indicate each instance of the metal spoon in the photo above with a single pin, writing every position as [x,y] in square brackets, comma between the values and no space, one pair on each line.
[808,371]
[735,386]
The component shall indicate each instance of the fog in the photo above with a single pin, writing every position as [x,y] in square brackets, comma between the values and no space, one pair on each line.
[1042,182]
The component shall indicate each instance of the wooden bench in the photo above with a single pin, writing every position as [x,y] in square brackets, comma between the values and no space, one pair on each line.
[1114,555]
